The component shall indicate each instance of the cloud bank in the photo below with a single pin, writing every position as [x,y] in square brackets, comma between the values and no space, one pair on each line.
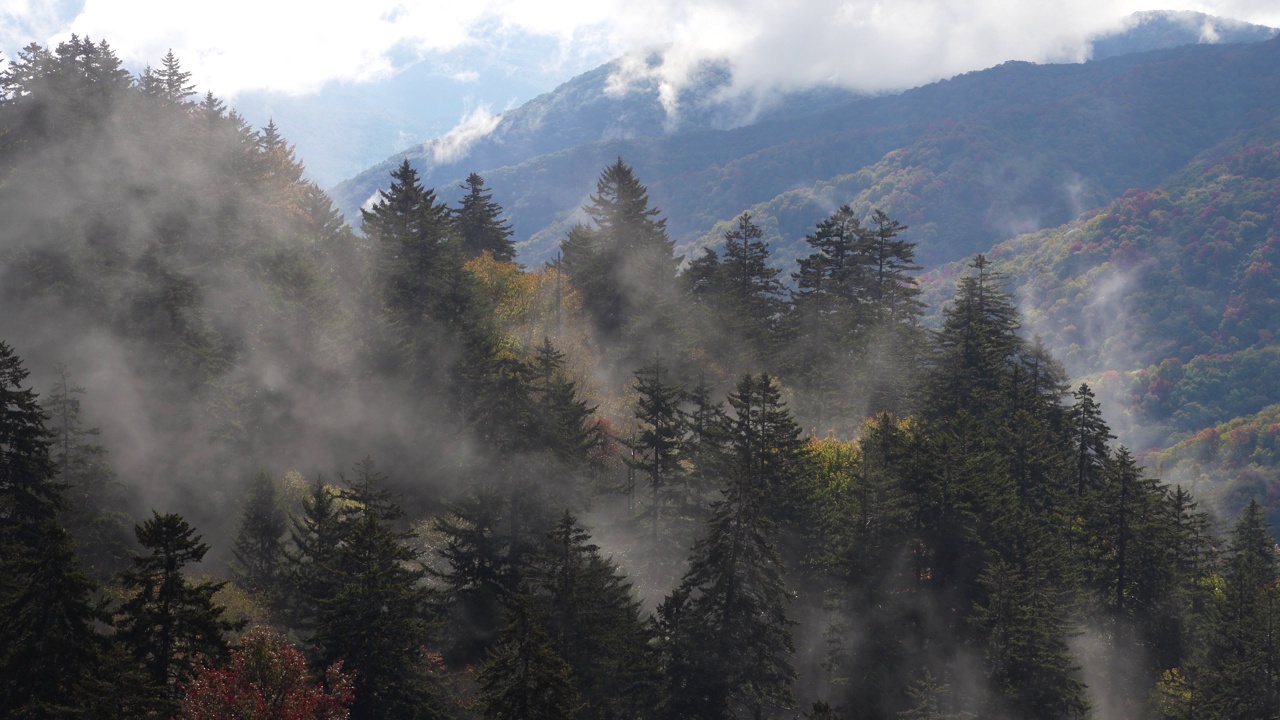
[235,46]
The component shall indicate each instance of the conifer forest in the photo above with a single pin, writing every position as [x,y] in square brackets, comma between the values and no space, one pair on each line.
[261,460]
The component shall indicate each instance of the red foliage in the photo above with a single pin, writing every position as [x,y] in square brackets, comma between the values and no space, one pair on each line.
[267,679]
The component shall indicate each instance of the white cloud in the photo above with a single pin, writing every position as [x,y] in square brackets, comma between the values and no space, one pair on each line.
[455,144]
[232,46]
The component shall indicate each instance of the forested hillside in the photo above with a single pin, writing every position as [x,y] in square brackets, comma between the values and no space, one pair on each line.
[1167,299]
[257,465]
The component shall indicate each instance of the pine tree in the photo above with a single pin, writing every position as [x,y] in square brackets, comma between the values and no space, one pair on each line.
[1238,673]
[30,496]
[743,294]
[594,623]
[490,539]
[626,267]
[49,648]
[170,82]
[1026,630]
[478,221]
[728,635]
[94,508]
[1089,436]
[524,678]
[170,624]
[311,573]
[564,420]
[377,622]
[258,548]
[413,270]
[657,444]
[974,351]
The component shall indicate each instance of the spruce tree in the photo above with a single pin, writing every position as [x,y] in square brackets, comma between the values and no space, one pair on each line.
[729,636]
[258,549]
[170,624]
[49,648]
[659,438]
[311,570]
[626,267]
[1089,436]
[524,678]
[95,506]
[973,353]
[478,221]
[1236,674]
[594,623]
[378,622]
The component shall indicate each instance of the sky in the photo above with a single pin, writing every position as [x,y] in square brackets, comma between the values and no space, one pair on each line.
[345,72]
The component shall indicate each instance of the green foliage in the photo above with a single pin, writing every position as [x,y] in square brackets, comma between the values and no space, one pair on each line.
[594,623]
[625,266]
[524,678]
[727,639]
[377,621]
[477,220]
[170,624]
[94,502]
[259,549]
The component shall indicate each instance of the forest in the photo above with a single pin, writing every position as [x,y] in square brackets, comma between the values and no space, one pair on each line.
[258,464]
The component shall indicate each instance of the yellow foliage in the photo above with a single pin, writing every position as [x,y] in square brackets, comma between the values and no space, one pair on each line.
[529,305]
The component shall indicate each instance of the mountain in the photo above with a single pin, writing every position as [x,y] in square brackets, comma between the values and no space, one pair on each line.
[1168,301]
[1158,29]
[1035,144]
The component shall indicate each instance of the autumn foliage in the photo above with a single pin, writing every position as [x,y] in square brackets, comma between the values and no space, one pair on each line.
[267,679]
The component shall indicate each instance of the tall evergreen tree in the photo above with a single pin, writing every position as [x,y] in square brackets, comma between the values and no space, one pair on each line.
[1089,437]
[1238,673]
[478,221]
[170,624]
[524,678]
[594,623]
[95,506]
[744,297]
[258,549]
[974,351]
[625,267]
[49,648]
[312,572]
[377,622]
[729,635]
[658,440]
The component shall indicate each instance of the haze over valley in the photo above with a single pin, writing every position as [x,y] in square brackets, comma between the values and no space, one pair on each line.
[677,361]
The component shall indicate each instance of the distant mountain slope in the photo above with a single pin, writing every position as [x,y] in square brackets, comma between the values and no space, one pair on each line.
[1169,301]
[968,161]
[973,179]
[1158,29]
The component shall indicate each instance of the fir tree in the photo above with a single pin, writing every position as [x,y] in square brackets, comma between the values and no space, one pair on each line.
[49,648]
[377,622]
[1089,436]
[729,637]
[170,624]
[974,351]
[94,507]
[658,441]
[311,574]
[626,267]
[594,623]
[1238,674]
[258,548]
[478,221]
[524,678]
